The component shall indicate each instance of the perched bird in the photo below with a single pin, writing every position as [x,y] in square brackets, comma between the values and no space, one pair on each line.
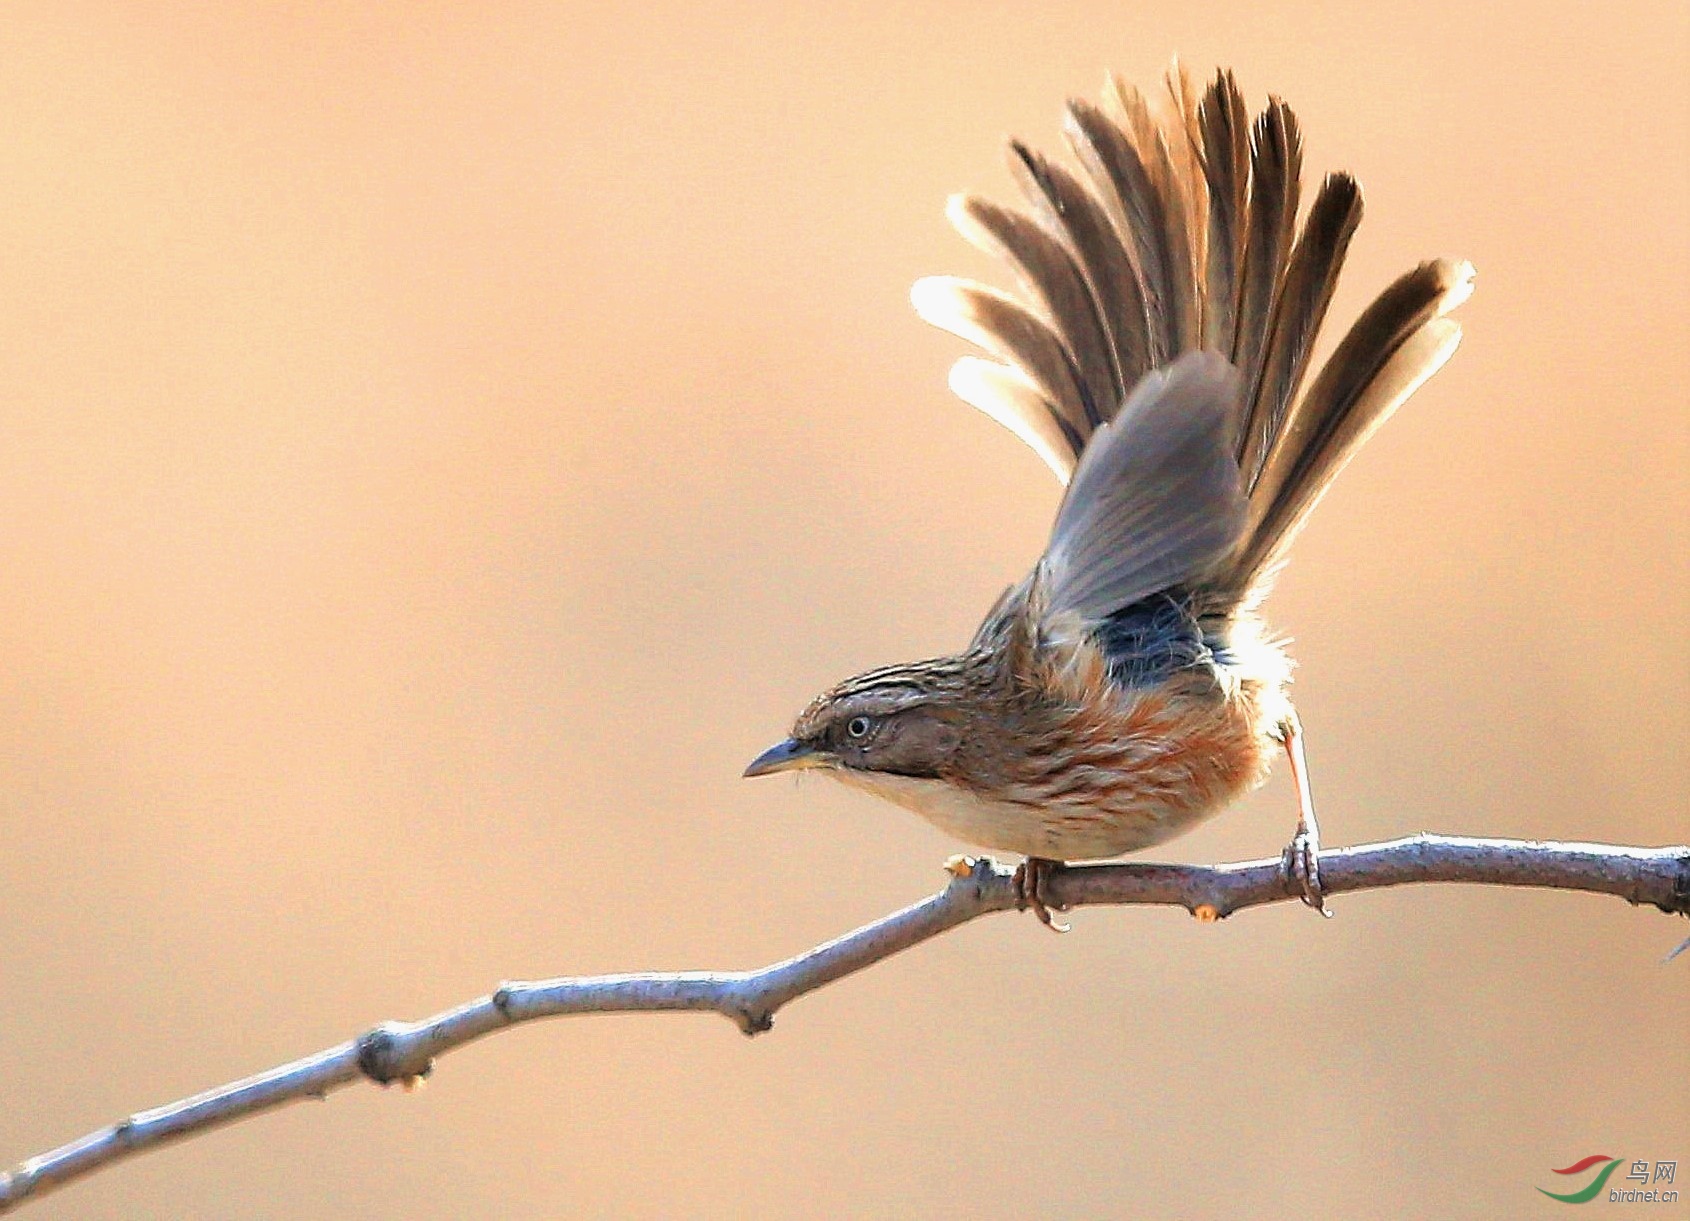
[1156,360]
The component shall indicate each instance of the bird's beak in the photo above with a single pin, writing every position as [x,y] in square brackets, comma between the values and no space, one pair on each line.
[788,756]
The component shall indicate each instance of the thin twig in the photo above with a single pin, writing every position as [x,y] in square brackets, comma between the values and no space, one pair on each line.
[405,1051]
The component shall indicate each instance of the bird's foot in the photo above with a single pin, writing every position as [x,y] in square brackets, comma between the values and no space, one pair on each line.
[1301,863]
[1031,877]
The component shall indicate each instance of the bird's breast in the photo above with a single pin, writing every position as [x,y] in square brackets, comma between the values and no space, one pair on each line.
[1082,781]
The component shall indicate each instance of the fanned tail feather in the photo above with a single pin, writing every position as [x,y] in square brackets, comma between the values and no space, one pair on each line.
[1398,342]
[1050,274]
[1163,147]
[1065,207]
[1276,169]
[1225,145]
[1180,233]
[1010,331]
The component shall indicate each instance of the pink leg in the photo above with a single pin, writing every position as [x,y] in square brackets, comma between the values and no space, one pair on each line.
[1302,856]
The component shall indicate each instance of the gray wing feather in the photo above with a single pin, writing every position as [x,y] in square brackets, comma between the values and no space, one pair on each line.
[1156,500]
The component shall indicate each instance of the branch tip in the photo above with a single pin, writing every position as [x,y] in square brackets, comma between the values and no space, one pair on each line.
[974,877]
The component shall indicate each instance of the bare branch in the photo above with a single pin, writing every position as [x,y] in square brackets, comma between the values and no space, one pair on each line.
[405,1051]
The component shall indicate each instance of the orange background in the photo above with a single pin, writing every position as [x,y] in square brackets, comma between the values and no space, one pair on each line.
[441,444]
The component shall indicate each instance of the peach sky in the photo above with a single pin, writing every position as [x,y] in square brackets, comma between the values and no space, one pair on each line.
[442,444]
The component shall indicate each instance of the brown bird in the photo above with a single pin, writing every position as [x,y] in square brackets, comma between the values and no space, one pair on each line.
[1127,689]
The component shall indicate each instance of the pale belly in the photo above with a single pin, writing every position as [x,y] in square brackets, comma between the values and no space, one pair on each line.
[1056,830]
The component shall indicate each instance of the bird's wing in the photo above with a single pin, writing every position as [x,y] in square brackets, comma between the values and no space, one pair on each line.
[1156,499]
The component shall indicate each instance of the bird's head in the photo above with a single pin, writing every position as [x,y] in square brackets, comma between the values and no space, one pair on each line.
[898,721]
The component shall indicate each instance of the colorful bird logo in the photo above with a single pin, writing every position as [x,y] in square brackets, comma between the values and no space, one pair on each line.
[1585,1194]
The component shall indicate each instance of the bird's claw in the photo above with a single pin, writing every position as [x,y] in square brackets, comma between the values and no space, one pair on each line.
[1031,875]
[1301,863]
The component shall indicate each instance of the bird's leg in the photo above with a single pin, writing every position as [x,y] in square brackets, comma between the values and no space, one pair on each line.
[1030,878]
[1302,856]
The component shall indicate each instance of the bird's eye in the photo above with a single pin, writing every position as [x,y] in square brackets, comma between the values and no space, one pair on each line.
[858,727]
